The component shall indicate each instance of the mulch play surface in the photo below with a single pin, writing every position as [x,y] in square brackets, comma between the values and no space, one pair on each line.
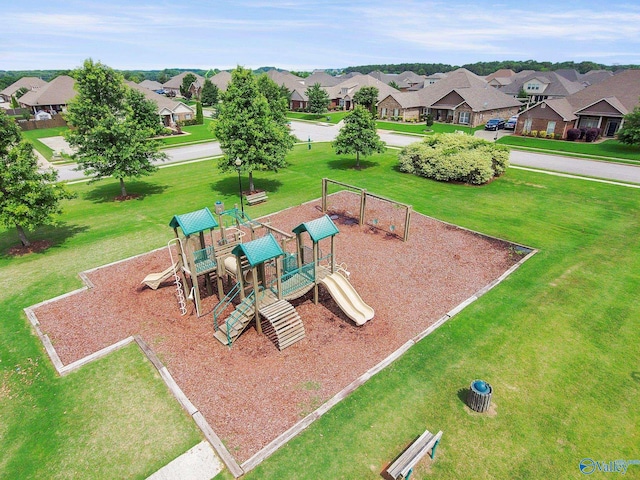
[252,393]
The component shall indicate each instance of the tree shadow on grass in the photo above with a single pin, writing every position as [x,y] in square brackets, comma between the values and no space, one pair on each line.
[53,236]
[350,164]
[228,186]
[107,192]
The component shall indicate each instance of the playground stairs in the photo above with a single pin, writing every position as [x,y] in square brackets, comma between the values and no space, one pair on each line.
[282,324]
[238,320]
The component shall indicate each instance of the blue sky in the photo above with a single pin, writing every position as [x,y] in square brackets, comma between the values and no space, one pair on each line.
[307,34]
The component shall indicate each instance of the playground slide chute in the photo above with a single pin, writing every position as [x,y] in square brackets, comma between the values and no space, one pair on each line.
[153,280]
[347,298]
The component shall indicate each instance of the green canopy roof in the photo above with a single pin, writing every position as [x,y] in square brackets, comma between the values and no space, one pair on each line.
[194,222]
[260,250]
[318,229]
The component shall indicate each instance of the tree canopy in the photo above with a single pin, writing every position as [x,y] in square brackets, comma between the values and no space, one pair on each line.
[28,198]
[367,97]
[249,130]
[358,135]
[318,99]
[210,93]
[187,81]
[630,131]
[112,126]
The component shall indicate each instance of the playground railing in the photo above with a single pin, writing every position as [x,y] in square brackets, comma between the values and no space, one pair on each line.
[298,279]
[224,303]
[204,259]
[240,311]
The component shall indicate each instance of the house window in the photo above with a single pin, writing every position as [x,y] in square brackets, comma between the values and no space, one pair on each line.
[396,112]
[533,86]
[383,112]
[551,127]
[187,116]
[463,117]
[527,125]
[341,102]
[589,122]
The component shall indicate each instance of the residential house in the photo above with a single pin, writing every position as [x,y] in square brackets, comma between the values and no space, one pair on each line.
[460,97]
[151,85]
[341,94]
[170,111]
[504,75]
[221,80]
[52,97]
[172,86]
[434,78]
[296,86]
[30,83]
[539,86]
[405,81]
[601,105]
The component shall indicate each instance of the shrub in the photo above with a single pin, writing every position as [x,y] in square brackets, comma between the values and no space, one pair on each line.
[459,158]
[583,131]
[429,119]
[534,133]
[573,134]
[186,123]
[551,136]
[542,134]
[591,134]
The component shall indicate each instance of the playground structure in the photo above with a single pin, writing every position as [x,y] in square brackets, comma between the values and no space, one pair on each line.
[261,275]
[392,226]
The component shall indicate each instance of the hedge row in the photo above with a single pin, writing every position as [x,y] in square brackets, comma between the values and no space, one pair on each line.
[455,158]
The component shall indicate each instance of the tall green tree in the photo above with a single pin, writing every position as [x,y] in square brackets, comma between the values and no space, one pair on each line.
[199,114]
[367,97]
[247,129]
[318,99]
[630,131]
[112,126]
[28,198]
[14,102]
[358,135]
[210,93]
[393,84]
[187,81]
[276,97]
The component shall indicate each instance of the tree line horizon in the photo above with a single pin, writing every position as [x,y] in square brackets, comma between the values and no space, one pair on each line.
[7,77]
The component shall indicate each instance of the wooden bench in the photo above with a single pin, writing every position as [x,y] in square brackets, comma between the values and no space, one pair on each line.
[403,466]
[254,198]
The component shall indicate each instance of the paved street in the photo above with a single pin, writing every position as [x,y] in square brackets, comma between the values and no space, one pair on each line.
[327,132]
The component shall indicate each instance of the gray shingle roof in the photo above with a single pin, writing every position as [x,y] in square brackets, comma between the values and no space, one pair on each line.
[57,92]
[30,83]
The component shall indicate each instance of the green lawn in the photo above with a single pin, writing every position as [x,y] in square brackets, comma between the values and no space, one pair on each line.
[421,128]
[34,135]
[329,117]
[606,149]
[197,134]
[557,340]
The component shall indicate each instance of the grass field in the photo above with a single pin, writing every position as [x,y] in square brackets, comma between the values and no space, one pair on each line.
[197,134]
[329,117]
[557,340]
[602,150]
[421,128]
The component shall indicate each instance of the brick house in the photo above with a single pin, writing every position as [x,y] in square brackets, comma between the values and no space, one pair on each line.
[460,97]
[601,105]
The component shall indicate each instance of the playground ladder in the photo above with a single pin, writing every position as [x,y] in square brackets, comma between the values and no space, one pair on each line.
[282,324]
[182,303]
